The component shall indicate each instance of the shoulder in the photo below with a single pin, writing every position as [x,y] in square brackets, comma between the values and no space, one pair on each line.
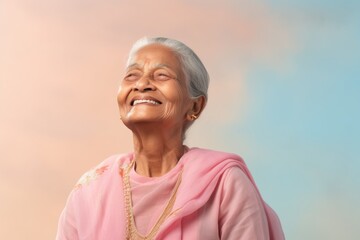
[235,181]
[202,160]
[102,171]
[91,197]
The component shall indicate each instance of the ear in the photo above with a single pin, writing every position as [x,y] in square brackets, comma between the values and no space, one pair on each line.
[198,105]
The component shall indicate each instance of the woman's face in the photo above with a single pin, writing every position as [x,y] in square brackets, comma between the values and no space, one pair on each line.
[154,89]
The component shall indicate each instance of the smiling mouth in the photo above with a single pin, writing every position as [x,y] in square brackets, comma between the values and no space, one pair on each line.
[140,101]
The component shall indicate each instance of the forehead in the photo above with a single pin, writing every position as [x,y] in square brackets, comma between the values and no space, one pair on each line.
[155,54]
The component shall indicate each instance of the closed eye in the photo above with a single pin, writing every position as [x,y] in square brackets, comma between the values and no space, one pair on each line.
[132,76]
[161,76]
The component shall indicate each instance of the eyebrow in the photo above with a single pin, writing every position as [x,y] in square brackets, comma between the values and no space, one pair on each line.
[160,65]
[133,65]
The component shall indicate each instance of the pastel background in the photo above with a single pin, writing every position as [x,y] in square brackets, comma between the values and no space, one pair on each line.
[284,95]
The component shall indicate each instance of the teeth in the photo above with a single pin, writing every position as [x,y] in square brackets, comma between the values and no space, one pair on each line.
[145,101]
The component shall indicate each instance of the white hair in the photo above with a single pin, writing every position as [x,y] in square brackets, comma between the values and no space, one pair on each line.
[196,76]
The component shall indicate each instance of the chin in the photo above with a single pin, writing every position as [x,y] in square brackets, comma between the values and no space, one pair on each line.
[141,120]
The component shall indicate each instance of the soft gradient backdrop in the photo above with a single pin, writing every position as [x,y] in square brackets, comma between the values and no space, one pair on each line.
[284,95]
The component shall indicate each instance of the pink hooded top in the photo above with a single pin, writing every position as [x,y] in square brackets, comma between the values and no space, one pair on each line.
[217,199]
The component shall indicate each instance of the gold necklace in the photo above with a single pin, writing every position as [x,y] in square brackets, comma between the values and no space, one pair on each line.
[131,230]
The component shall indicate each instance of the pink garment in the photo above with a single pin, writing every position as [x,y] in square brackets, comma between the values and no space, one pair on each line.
[155,190]
[217,199]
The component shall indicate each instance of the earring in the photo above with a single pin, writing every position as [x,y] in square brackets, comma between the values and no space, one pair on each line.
[193,117]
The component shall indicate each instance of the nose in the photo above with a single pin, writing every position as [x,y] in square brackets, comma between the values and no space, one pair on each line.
[144,84]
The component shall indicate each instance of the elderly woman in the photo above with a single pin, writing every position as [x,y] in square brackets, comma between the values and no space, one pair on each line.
[163,189]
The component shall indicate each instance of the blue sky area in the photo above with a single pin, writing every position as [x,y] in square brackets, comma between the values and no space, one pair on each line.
[306,121]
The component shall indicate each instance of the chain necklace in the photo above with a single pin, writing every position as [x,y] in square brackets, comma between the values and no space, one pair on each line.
[131,230]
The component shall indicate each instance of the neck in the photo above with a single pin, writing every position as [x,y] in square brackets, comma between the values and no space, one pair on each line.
[156,152]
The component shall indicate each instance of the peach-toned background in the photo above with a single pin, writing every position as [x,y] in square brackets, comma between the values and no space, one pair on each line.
[60,65]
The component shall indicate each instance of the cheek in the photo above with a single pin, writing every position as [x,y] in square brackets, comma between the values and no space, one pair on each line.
[121,96]
[178,101]
[118,97]
[175,92]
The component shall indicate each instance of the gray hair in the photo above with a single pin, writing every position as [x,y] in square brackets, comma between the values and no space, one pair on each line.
[196,76]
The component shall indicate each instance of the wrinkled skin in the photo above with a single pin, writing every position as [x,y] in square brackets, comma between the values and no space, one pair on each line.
[155,105]
[154,73]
